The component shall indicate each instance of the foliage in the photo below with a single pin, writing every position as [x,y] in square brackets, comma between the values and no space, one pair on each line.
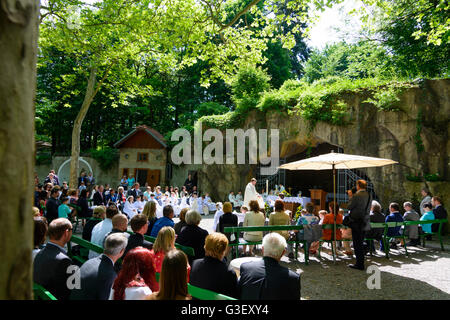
[248,86]
[385,99]
[434,177]
[353,61]
[430,18]
[105,157]
[414,178]
[232,119]
[416,33]
[43,158]
[272,100]
[427,177]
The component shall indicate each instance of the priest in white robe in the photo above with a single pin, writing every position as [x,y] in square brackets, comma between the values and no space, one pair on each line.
[251,194]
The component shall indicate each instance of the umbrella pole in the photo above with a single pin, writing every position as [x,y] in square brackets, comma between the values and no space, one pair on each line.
[334,212]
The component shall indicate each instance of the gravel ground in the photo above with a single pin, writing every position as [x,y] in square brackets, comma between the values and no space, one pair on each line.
[424,275]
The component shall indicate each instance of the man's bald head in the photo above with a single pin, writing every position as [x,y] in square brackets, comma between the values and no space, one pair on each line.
[120,222]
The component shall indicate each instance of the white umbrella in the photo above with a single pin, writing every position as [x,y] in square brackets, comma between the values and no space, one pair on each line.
[333,161]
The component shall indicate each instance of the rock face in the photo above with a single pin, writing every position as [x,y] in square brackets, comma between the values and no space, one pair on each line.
[424,111]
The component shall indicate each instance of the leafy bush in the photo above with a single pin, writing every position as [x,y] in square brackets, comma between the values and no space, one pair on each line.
[433,177]
[105,157]
[386,99]
[292,85]
[414,178]
[228,120]
[248,87]
[43,158]
[272,100]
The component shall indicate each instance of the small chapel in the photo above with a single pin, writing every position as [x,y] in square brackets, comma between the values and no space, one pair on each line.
[143,155]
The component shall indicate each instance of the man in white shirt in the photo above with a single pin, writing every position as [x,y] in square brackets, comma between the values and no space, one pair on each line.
[102,228]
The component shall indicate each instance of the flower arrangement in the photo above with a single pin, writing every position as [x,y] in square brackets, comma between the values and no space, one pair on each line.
[286,194]
[298,213]
[267,209]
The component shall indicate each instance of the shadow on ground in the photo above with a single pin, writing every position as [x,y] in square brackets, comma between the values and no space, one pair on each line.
[401,277]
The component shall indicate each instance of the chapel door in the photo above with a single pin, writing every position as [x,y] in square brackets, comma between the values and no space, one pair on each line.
[153,178]
[141,176]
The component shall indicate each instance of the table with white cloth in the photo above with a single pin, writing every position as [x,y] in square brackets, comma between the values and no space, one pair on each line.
[290,203]
[301,200]
[211,206]
[235,264]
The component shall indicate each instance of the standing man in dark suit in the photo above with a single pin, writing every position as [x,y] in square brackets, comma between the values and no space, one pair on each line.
[99,197]
[139,225]
[267,279]
[97,275]
[52,205]
[189,184]
[51,265]
[135,191]
[439,213]
[359,207]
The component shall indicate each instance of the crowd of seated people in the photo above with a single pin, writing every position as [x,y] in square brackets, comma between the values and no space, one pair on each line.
[127,269]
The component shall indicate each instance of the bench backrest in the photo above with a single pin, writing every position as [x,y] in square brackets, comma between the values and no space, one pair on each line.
[373,225]
[86,244]
[188,250]
[418,222]
[263,228]
[203,294]
[42,293]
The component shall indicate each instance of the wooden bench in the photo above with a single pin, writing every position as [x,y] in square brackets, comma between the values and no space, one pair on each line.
[240,241]
[40,293]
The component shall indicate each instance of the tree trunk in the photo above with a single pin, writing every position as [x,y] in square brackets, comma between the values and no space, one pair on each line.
[76,131]
[18,52]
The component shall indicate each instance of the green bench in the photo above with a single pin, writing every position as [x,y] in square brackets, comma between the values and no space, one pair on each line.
[240,242]
[188,250]
[84,244]
[375,225]
[203,294]
[40,293]
[331,227]
[403,236]
[195,292]
[425,234]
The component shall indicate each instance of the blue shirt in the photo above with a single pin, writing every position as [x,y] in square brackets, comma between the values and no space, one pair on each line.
[427,216]
[63,211]
[394,217]
[159,224]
